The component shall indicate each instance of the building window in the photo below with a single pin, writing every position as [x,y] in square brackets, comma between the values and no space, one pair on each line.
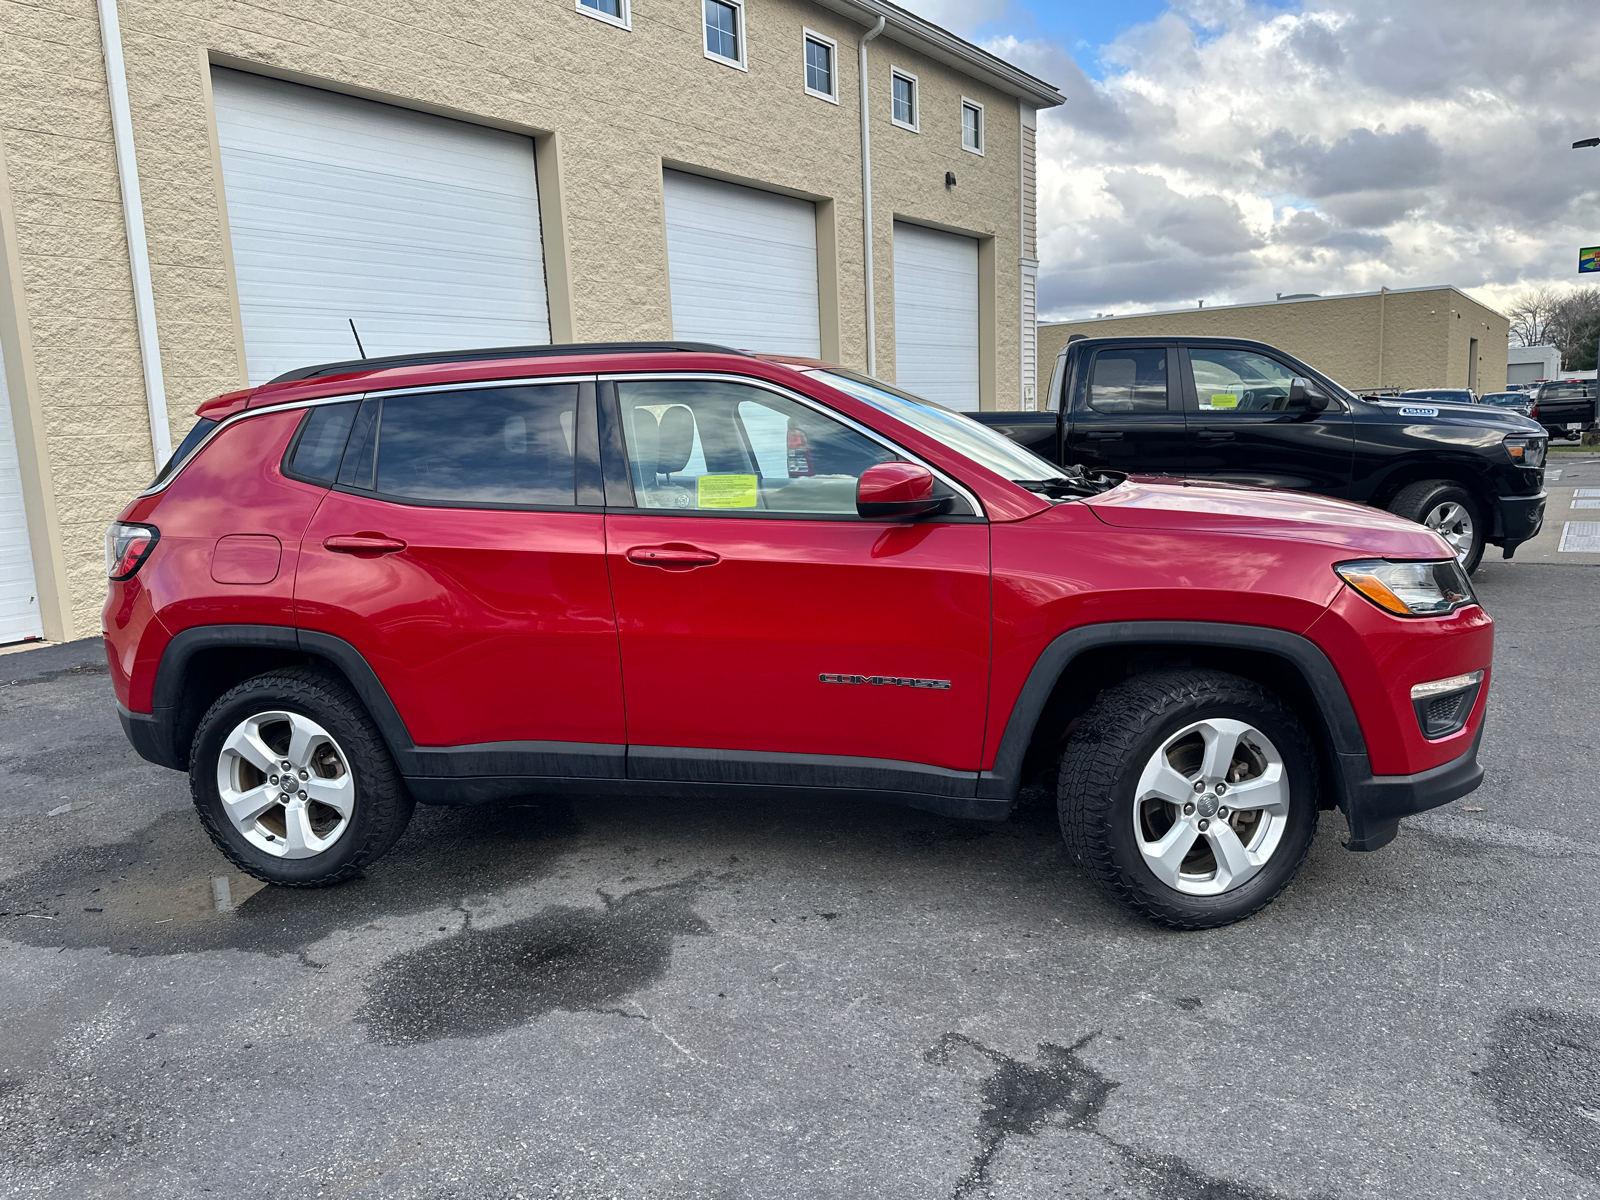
[904,113]
[614,12]
[971,126]
[821,77]
[725,31]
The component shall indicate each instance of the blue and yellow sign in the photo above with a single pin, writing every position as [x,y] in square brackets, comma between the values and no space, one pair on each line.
[1589,260]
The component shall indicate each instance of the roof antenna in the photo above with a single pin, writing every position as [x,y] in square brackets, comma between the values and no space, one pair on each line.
[359,348]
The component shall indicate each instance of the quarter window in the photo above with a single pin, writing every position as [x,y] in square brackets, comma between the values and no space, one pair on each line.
[904,90]
[1129,381]
[725,31]
[820,79]
[321,443]
[496,448]
[706,446]
[972,126]
[1236,381]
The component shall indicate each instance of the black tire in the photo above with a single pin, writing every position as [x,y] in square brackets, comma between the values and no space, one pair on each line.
[1103,763]
[381,807]
[1419,501]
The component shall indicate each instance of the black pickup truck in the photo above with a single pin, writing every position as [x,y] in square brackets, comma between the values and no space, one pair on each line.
[1238,411]
[1565,407]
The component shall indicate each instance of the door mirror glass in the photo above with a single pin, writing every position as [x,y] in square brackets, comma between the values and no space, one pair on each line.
[1305,396]
[897,491]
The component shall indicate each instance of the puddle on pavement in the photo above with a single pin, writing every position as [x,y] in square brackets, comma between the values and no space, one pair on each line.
[1543,1076]
[152,893]
[483,981]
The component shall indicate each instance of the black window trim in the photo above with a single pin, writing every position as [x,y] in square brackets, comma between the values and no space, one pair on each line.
[619,482]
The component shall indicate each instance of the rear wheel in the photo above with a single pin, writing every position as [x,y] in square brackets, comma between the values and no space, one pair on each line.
[1190,796]
[293,781]
[1450,511]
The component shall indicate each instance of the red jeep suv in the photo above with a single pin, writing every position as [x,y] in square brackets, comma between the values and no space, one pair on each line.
[669,568]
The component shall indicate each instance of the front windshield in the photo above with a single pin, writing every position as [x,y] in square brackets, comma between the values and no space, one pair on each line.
[956,430]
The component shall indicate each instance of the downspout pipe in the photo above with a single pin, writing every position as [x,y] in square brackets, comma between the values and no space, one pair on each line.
[144,300]
[866,193]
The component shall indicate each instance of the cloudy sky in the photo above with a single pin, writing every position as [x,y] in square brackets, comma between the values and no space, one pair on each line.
[1226,151]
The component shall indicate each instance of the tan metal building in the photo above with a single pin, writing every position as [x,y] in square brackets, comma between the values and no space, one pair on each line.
[196,196]
[1402,338]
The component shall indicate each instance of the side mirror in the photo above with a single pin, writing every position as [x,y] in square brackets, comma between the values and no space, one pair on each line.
[1305,394]
[897,491]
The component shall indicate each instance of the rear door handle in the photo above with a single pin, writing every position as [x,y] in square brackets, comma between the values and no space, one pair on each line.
[362,543]
[1101,435]
[673,557]
[1215,435]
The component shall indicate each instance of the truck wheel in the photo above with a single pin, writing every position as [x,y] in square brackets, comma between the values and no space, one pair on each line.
[1190,796]
[293,781]
[1450,511]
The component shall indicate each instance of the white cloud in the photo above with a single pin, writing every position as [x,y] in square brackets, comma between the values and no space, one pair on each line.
[1234,152]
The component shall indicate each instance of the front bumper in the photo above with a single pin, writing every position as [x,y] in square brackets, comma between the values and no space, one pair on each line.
[1517,519]
[1374,804]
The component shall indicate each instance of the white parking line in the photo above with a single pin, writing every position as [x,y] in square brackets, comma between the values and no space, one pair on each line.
[1586,493]
[1580,537]
[1586,503]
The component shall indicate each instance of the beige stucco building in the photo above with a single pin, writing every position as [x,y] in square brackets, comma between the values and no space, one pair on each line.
[549,170]
[1404,338]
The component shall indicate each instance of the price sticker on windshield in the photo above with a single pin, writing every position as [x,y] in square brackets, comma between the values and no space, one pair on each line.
[1224,400]
[726,491]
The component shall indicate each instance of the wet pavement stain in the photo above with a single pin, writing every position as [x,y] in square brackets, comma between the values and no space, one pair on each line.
[1544,1079]
[484,981]
[138,897]
[1059,1090]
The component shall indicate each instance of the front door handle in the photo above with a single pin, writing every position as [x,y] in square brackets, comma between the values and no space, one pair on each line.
[673,557]
[362,543]
[1215,435]
[1102,435]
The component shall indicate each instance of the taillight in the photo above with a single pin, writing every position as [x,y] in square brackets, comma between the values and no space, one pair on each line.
[1534,412]
[127,546]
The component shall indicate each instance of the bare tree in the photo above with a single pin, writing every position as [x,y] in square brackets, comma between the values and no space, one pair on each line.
[1564,317]
[1531,314]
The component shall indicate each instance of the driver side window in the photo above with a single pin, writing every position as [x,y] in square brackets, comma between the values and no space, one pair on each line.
[1239,381]
[698,445]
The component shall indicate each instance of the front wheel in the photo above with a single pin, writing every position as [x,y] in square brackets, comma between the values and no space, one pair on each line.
[293,781]
[1450,511]
[1190,796]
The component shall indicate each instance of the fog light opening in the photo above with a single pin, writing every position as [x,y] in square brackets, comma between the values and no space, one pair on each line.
[1443,705]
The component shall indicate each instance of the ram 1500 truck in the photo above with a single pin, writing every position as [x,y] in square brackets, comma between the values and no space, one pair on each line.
[1228,410]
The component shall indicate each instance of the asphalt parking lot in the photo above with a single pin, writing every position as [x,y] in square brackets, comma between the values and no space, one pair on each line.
[603,997]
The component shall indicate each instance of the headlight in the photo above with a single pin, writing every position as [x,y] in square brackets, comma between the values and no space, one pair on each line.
[1410,589]
[1526,449]
[127,546]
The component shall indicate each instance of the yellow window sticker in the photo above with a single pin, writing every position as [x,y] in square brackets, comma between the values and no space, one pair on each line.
[1224,400]
[727,491]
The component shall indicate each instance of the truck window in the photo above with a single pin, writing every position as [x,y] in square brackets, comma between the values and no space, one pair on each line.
[1129,380]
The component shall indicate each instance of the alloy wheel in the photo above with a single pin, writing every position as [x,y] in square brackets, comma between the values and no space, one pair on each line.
[285,784]
[1453,522]
[1211,807]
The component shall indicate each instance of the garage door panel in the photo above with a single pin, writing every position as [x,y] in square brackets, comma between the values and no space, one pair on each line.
[936,315]
[423,230]
[19,599]
[743,266]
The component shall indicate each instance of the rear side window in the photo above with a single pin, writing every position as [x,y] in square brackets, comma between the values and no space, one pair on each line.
[318,449]
[1133,380]
[499,447]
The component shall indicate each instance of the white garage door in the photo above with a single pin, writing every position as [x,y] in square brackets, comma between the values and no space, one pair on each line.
[19,598]
[936,315]
[424,231]
[743,266]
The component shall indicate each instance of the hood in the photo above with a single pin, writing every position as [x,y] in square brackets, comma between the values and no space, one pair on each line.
[1148,503]
[1488,416]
